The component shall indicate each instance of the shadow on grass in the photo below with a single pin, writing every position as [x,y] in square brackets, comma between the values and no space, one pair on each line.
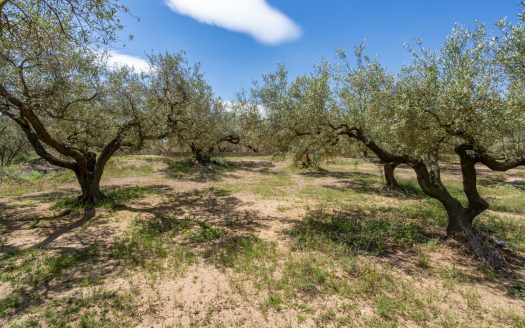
[189,170]
[261,167]
[322,173]
[495,180]
[38,272]
[397,236]
[116,197]
[374,232]
[209,223]
[214,205]
[367,183]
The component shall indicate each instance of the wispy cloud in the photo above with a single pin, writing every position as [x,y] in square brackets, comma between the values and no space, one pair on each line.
[254,17]
[117,59]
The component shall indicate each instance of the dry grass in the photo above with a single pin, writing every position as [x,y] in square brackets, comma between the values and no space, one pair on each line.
[252,243]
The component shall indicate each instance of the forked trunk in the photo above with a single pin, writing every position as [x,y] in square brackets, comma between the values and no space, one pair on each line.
[89,180]
[90,186]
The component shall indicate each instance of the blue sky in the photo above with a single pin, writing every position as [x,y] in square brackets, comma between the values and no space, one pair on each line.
[238,40]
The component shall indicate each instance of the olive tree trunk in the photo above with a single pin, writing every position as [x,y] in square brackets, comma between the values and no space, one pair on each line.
[390,179]
[87,166]
[202,157]
[460,218]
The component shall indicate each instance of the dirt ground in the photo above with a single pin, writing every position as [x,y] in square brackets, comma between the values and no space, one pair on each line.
[192,278]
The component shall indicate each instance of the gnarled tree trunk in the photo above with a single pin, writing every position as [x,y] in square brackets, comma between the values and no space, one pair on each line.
[390,179]
[460,219]
[89,179]
[202,157]
[304,160]
[87,167]
[90,186]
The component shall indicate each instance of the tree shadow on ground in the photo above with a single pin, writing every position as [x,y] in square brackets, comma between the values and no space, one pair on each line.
[216,226]
[501,180]
[261,167]
[189,170]
[366,183]
[45,268]
[66,215]
[323,173]
[212,205]
[405,190]
[72,250]
[396,240]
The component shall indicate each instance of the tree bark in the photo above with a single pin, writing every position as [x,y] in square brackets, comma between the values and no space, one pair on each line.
[202,157]
[87,167]
[459,221]
[305,160]
[390,179]
[90,186]
[89,181]
[429,179]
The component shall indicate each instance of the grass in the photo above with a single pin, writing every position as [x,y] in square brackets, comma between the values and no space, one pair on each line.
[358,256]
[205,233]
[246,253]
[187,169]
[85,311]
[31,273]
[269,187]
[33,181]
[128,167]
[116,197]
[150,245]
[372,232]
[504,228]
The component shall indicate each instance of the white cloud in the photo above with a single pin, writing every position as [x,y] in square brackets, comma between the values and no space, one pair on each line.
[254,17]
[117,59]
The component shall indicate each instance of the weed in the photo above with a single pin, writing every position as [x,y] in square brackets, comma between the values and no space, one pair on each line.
[358,232]
[205,233]
[273,301]
[423,261]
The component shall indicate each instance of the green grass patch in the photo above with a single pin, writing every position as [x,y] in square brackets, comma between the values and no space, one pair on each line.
[245,253]
[151,244]
[372,232]
[116,197]
[119,167]
[267,186]
[187,169]
[33,270]
[509,229]
[205,233]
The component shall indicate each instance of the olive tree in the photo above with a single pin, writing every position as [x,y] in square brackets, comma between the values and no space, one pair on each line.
[291,114]
[84,22]
[458,100]
[75,112]
[197,118]
[466,100]
[13,143]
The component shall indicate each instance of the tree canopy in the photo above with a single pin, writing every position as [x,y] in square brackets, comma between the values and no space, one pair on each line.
[466,99]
